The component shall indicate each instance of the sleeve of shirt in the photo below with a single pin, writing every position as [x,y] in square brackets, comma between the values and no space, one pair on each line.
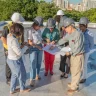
[16,47]
[30,35]
[63,40]
[91,40]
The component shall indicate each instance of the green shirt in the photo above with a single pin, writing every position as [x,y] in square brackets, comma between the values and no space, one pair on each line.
[52,36]
[76,42]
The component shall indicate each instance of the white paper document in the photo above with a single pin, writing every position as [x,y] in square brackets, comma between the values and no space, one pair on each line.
[56,50]
[64,50]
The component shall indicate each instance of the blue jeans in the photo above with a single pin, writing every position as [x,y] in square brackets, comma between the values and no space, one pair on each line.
[18,72]
[35,61]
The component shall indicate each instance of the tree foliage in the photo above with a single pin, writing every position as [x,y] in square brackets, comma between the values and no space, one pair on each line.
[91,14]
[47,10]
[76,15]
[32,8]
[26,7]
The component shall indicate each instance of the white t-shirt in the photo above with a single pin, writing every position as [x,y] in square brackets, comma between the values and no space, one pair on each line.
[35,36]
[14,50]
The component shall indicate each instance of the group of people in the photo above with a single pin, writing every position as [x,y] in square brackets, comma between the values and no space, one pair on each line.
[59,31]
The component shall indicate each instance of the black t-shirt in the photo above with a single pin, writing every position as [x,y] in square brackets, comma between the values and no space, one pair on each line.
[5,32]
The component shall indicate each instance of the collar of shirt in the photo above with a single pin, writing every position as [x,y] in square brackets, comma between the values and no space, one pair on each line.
[33,30]
[86,31]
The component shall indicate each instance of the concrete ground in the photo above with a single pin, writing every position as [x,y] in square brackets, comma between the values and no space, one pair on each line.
[50,85]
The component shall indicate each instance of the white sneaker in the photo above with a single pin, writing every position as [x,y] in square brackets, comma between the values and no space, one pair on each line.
[69,85]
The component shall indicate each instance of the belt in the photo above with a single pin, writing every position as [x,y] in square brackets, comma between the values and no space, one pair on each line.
[80,54]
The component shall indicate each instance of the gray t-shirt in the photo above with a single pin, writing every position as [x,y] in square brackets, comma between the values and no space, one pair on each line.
[76,42]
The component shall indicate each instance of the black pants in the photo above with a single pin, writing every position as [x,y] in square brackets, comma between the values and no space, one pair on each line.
[8,71]
[64,67]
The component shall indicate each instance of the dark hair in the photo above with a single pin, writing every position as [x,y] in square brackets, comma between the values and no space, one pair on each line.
[35,24]
[17,29]
[57,18]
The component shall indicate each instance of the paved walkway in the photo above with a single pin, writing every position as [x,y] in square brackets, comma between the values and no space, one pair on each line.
[50,85]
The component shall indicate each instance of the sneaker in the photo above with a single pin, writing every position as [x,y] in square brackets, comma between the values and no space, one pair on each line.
[71,91]
[38,77]
[32,83]
[25,90]
[8,83]
[66,75]
[83,81]
[46,73]
[51,73]
[12,92]
[69,85]
[62,75]
[16,90]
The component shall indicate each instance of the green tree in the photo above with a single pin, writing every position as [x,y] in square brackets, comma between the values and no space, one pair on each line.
[76,15]
[32,8]
[46,10]
[26,7]
[91,14]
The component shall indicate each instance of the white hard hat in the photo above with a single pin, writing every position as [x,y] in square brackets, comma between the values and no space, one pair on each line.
[17,18]
[60,12]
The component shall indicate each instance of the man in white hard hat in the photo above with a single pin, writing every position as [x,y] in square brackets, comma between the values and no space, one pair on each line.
[59,15]
[60,12]
[16,18]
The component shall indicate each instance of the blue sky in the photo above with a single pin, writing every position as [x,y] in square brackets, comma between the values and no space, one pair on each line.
[75,1]
[72,1]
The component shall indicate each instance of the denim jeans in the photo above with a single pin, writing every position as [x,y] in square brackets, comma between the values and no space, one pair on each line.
[18,72]
[35,62]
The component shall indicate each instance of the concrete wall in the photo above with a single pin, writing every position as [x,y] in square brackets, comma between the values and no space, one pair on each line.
[28,24]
